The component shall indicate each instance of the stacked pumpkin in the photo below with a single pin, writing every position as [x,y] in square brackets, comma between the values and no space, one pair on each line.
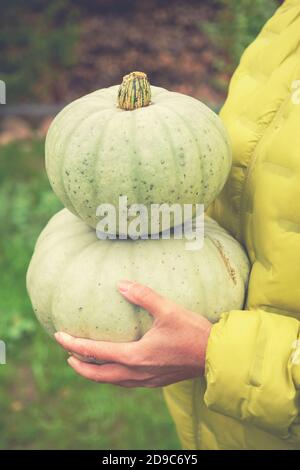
[155,147]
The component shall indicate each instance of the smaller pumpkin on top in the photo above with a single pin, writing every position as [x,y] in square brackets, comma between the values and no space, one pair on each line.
[140,141]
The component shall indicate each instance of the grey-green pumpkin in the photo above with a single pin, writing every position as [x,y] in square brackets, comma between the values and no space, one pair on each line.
[172,149]
[72,278]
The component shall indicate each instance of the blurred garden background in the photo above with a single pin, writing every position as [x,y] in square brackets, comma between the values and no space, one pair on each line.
[51,53]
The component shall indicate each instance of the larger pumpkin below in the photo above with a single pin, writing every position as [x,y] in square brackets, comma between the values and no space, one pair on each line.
[72,278]
[115,141]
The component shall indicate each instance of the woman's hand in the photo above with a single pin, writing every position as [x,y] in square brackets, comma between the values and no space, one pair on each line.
[172,350]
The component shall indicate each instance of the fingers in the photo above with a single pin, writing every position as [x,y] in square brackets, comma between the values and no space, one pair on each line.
[102,351]
[108,373]
[120,375]
[145,297]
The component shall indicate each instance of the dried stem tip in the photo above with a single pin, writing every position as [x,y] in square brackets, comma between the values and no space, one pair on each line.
[134,92]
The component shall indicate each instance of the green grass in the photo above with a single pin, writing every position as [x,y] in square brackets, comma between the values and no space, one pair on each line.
[43,404]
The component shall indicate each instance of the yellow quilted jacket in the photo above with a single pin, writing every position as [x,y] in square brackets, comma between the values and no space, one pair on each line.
[249,398]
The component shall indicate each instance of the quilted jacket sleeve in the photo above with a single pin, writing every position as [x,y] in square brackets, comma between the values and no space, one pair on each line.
[253,356]
[253,370]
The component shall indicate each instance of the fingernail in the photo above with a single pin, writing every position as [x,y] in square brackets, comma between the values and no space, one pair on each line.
[71,360]
[124,286]
[59,335]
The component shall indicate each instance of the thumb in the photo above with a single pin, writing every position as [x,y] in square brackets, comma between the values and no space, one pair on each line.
[145,297]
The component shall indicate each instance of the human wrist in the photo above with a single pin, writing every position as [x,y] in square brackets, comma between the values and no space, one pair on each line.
[206,327]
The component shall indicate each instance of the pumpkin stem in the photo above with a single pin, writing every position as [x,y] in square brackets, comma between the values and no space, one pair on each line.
[134,91]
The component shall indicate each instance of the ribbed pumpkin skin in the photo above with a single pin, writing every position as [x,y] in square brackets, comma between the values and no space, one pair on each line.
[173,151]
[72,278]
